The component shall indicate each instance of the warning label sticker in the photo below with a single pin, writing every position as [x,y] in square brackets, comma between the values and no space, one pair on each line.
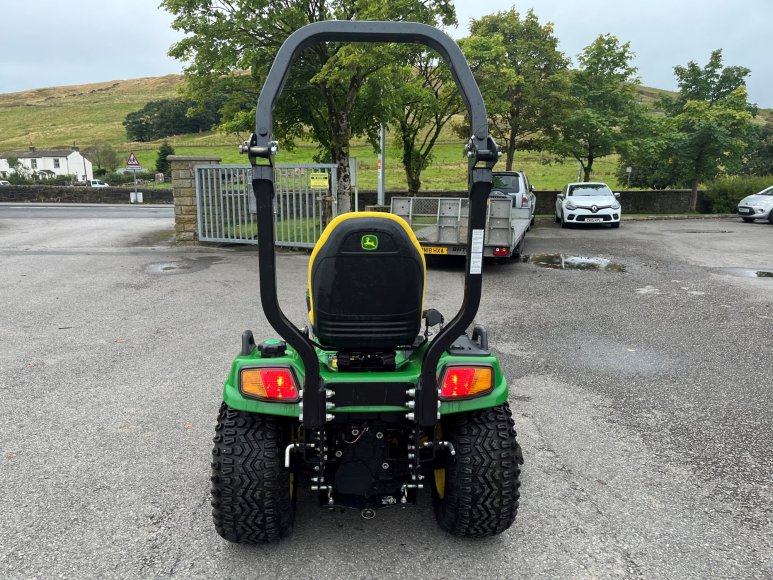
[476,252]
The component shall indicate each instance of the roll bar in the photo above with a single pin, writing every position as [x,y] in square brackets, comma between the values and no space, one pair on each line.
[261,146]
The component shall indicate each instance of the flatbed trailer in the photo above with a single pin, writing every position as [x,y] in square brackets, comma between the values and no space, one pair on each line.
[440,224]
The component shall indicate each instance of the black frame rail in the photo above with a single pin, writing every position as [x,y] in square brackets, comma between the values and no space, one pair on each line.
[482,154]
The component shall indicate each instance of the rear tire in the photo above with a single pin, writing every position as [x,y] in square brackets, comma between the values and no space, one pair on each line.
[251,490]
[478,492]
[748,220]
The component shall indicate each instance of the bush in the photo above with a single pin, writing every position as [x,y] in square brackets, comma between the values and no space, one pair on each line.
[724,194]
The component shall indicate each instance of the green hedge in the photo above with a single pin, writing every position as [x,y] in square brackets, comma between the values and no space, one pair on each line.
[724,194]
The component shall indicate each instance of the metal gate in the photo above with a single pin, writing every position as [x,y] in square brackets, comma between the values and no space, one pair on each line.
[304,203]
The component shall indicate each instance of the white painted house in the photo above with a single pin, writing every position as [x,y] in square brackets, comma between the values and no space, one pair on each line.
[47,163]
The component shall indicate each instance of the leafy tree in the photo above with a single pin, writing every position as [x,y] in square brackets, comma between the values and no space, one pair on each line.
[710,122]
[647,154]
[523,76]
[712,84]
[102,155]
[602,104]
[334,92]
[167,117]
[162,164]
[759,156]
[703,133]
[430,100]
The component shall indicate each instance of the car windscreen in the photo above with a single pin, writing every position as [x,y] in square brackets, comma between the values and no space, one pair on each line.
[590,189]
[506,183]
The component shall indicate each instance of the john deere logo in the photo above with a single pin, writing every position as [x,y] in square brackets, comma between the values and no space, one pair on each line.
[369,242]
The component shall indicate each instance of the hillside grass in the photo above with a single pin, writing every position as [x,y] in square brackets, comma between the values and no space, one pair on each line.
[85,114]
[79,114]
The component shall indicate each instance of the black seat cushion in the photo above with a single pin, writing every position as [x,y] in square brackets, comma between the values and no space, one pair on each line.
[366,283]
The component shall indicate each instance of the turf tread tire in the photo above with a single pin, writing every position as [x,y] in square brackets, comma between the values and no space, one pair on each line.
[482,481]
[251,499]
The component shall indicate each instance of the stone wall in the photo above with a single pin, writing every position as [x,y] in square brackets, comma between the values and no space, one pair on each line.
[83,194]
[664,201]
[183,184]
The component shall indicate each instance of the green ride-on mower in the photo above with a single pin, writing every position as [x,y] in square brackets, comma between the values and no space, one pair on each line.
[363,406]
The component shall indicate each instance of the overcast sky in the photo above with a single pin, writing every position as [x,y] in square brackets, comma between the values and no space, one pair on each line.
[47,43]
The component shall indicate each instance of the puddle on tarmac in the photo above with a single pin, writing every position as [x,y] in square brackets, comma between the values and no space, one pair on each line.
[746,273]
[184,266]
[564,262]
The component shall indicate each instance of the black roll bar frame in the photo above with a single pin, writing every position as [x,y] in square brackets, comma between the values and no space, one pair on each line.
[261,146]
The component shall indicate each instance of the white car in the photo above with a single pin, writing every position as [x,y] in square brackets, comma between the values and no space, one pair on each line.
[4,182]
[588,203]
[98,183]
[757,207]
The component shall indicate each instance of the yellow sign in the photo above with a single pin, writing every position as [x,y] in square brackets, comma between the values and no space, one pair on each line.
[319,180]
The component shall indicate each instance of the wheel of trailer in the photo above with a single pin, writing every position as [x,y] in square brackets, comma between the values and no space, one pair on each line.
[252,491]
[476,491]
[518,250]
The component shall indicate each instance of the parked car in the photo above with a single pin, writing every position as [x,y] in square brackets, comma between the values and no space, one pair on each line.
[512,183]
[757,207]
[98,183]
[4,182]
[588,203]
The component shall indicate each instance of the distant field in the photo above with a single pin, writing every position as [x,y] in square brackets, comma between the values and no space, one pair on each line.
[84,114]
[448,172]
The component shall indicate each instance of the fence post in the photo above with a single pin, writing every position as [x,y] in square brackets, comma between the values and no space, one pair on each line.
[184,192]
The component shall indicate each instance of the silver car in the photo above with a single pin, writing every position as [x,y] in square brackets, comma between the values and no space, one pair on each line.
[757,207]
[512,183]
[588,203]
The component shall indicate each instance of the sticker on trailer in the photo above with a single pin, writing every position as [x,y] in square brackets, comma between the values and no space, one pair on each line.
[476,252]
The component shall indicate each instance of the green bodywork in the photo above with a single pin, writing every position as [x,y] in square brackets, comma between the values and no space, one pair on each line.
[408,370]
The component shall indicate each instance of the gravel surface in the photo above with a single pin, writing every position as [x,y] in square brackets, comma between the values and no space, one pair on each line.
[641,394]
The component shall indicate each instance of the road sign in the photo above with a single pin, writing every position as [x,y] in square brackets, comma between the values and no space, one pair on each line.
[132,161]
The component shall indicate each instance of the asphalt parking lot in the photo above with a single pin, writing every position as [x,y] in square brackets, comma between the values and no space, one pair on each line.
[641,392]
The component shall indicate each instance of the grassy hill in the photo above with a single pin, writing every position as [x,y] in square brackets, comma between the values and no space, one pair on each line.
[78,114]
[85,114]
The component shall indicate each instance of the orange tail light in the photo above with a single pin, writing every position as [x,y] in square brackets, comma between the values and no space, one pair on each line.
[269,384]
[466,382]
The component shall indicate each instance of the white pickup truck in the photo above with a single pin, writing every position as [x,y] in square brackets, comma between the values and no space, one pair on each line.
[440,223]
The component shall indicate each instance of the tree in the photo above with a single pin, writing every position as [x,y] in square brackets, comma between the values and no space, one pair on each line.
[166,117]
[602,105]
[759,155]
[647,154]
[523,76]
[333,92]
[431,100]
[162,164]
[704,131]
[102,155]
